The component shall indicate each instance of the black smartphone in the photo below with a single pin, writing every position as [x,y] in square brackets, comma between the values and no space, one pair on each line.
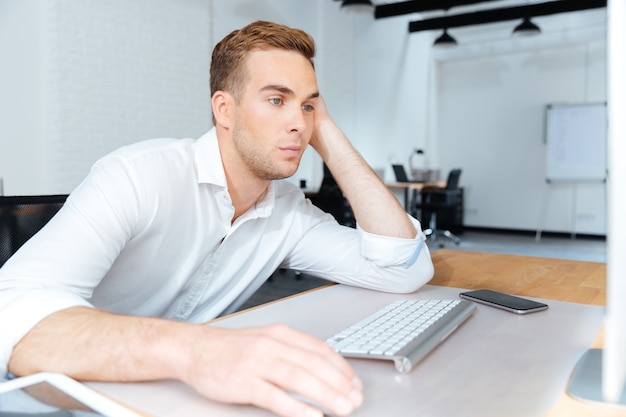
[503,301]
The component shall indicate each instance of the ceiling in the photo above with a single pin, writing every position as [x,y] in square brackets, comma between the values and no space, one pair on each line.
[445,14]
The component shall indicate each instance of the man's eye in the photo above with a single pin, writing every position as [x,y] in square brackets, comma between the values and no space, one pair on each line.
[276,101]
[307,107]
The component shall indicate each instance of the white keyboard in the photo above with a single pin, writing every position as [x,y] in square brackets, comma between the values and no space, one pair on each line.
[404,331]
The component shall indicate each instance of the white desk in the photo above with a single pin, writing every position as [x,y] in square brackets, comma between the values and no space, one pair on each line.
[496,364]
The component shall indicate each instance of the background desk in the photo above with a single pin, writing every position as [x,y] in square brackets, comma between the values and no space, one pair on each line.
[449,219]
[406,186]
[581,282]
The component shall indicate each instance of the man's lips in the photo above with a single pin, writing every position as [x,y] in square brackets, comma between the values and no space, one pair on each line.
[294,150]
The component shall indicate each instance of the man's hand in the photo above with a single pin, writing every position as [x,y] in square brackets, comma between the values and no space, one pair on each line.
[261,366]
[323,123]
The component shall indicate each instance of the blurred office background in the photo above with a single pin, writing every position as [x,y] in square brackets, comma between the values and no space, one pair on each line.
[81,78]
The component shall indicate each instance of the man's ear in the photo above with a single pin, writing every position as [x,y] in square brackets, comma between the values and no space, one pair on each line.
[222,105]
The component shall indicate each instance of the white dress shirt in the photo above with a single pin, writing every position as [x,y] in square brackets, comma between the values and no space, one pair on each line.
[149,233]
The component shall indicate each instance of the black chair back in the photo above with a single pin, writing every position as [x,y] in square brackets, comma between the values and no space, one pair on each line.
[23,216]
[330,199]
[453,179]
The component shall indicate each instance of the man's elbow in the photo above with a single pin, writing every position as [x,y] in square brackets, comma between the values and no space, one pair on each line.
[402,279]
[416,279]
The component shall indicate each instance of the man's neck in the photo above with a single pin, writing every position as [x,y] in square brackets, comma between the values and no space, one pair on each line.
[244,196]
[245,189]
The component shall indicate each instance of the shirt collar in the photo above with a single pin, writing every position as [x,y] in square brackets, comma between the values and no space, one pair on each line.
[209,167]
[210,170]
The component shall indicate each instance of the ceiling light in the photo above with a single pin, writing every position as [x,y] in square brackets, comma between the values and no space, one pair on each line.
[357,5]
[445,40]
[526,28]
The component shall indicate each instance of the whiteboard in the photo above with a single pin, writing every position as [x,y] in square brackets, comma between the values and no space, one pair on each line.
[576,136]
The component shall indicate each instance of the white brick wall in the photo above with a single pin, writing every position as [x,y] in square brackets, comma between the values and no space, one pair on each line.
[120,71]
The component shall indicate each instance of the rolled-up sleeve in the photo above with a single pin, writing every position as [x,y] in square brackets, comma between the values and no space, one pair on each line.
[389,251]
[355,257]
[38,281]
[56,269]
[22,308]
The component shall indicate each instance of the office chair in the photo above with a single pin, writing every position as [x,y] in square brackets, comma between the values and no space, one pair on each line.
[437,200]
[331,200]
[23,216]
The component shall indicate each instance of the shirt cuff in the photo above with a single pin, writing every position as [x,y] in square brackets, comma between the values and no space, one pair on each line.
[392,251]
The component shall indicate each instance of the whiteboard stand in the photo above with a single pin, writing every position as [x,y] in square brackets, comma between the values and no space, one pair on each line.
[544,209]
[574,211]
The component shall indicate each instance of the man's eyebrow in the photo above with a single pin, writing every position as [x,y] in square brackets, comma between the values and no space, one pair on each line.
[280,88]
[286,90]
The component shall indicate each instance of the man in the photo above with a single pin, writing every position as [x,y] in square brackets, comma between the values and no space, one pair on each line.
[167,233]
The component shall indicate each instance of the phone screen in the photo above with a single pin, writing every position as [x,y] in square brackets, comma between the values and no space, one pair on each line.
[505,301]
[42,399]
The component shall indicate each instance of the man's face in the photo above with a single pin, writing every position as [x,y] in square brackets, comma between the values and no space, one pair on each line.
[273,122]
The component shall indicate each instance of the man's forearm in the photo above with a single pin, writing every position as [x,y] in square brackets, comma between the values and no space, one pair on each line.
[375,207]
[90,344]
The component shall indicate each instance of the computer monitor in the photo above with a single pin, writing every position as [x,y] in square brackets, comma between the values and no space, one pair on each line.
[601,373]
[400,173]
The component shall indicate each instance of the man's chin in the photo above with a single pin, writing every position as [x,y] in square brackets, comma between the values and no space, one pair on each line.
[287,172]
[283,176]
[278,174]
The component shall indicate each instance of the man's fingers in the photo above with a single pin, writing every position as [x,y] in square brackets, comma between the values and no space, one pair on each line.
[320,354]
[310,368]
[314,379]
[290,404]
[283,404]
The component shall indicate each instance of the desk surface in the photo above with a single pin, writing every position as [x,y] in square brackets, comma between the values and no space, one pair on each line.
[572,281]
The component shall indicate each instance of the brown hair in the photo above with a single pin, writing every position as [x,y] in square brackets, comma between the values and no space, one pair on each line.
[227,71]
